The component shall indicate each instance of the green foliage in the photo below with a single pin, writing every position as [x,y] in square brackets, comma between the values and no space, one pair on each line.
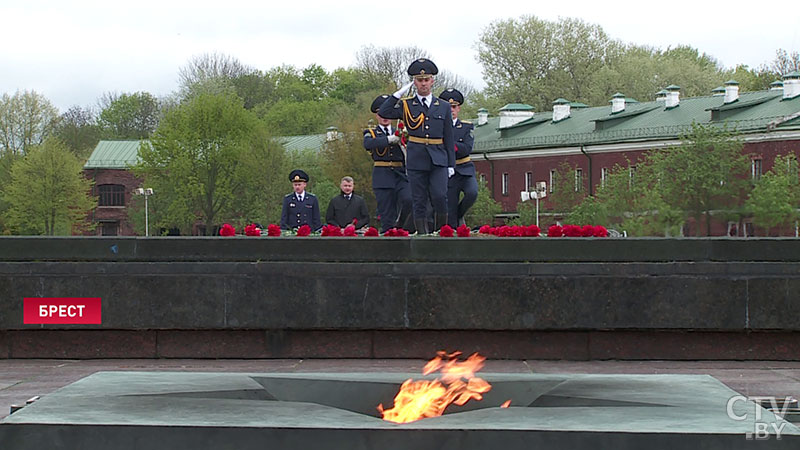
[776,196]
[130,116]
[485,208]
[210,159]
[566,193]
[48,193]
[78,130]
[26,120]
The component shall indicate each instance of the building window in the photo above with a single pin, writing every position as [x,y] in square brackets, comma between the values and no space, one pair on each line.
[109,228]
[111,195]
[603,176]
[631,175]
[553,177]
[483,178]
[755,168]
[505,184]
[528,181]
[578,180]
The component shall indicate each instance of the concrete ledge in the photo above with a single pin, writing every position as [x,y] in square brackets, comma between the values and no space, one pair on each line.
[516,345]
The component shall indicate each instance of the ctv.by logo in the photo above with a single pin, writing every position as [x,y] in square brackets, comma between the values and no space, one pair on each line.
[762,430]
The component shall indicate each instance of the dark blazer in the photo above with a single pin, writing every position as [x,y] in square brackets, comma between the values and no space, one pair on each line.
[462,134]
[342,211]
[437,124]
[296,213]
[377,144]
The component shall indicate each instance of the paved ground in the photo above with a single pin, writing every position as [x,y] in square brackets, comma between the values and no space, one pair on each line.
[22,379]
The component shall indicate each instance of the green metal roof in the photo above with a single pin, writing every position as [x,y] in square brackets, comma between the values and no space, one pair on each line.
[516,107]
[755,112]
[297,143]
[114,155]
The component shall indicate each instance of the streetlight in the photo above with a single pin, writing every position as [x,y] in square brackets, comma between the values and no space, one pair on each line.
[540,191]
[147,193]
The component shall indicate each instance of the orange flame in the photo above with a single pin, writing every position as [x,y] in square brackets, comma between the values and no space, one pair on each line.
[457,384]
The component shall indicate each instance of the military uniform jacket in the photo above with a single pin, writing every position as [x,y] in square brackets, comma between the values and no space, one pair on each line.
[435,123]
[296,213]
[462,134]
[377,143]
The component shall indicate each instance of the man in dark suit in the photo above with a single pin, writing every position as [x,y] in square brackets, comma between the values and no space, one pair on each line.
[464,178]
[300,207]
[430,155]
[389,179]
[347,208]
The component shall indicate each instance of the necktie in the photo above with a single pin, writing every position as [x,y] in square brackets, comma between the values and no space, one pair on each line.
[425,103]
[386,130]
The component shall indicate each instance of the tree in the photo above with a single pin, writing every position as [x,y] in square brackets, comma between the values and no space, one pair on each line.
[776,196]
[485,208]
[388,63]
[130,116]
[566,192]
[210,159]
[209,69]
[48,193]
[706,172]
[78,130]
[26,119]
[785,62]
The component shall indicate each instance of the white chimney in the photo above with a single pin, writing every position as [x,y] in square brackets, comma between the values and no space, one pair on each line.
[483,116]
[332,134]
[661,96]
[560,109]
[617,103]
[776,86]
[791,85]
[673,96]
[731,91]
[514,113]
[718,91]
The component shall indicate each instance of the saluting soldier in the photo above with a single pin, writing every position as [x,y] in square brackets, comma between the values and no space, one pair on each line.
[300,207]
[389,178]
[430,158]
[464,178]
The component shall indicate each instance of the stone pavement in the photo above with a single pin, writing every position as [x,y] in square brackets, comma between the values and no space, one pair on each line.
[21,379]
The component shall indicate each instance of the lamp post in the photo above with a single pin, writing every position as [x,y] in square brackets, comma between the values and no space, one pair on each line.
[539,191]
[147,193]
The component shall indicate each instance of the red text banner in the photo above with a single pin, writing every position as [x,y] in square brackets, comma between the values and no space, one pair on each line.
[62,310]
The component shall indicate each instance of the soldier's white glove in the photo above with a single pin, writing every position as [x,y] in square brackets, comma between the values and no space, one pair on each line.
[450,172]
[394,139]
[403,90]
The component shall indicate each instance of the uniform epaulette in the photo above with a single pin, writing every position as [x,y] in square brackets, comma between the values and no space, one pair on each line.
[289,195]
[310,194]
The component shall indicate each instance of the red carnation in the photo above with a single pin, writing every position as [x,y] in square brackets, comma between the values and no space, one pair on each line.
[532,231]
[372,231]
[400,125]
[572,231]
[462,231]
[331,230]
[446,231]
[402,232]
[304,230]
[587,231]
[227,230]
[555,231]
[600,231]
[485,229]
[350,230]
[273,230]
[252,230]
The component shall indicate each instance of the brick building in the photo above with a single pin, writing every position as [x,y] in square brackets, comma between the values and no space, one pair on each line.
[519,147]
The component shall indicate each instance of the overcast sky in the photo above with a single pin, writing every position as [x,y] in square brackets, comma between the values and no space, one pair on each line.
[74,51]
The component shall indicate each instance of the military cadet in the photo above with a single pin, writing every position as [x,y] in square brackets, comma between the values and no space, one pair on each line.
[430,158]
[389,179]
[464,178]
[300,207]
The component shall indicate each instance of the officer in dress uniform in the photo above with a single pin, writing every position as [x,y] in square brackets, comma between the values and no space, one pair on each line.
[464,179]
[430,158]
[300,207]
[389,179]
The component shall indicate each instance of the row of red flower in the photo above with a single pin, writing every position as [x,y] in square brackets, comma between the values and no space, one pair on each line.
[446,231]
